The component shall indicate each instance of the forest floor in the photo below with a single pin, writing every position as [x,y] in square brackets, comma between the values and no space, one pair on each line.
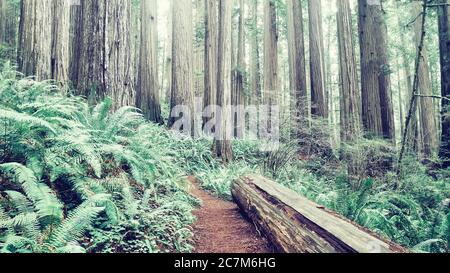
[220,227]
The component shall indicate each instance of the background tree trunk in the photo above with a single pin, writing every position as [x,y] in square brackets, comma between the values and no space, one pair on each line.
[35,41]
[429,134]
[255,67]
[105,64]
[317,61]
[61,41]
[240,74]
[147,90]
[74,44]
[297,63]
[377,107]
[348,76]
[182,61]
[210,70]
[444,46]
[222,143]
[270,94]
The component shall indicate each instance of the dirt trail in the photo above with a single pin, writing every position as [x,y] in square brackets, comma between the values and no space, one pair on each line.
[220,228]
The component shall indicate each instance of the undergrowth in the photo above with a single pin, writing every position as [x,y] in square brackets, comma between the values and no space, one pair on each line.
[75,178]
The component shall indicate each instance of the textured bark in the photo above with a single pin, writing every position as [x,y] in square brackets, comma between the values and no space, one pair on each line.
[222,142]
[35,41]
[210,70]
[74,44]
[377,107]
[168,61]
[348,77]
[270,94]
[61,42]
[319,105]
[293,224]
[182,61]
[444,45]
[239,76]
[147,90]
[105,64]
[199,48]
[428,131]
[297,63]
[255,67]
[3,12]
[8,23]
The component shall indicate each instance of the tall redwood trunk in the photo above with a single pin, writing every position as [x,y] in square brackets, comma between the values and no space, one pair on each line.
[377,107]
[147,90]
[317,61]
[105,59]
[444,45]
[348,77]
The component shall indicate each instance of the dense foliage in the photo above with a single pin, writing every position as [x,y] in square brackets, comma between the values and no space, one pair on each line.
[75,178]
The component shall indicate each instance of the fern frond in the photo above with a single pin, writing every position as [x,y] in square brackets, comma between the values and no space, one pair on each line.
[25,119]
[73,228]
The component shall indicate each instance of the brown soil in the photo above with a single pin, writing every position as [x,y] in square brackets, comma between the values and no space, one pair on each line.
[220,228]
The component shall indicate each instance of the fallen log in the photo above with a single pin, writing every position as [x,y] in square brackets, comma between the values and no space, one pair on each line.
[294,224]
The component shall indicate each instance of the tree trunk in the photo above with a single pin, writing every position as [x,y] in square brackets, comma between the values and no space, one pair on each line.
[74,44]
[168,62]
[3,15]
[444,45]
[222,141]
[61,42]
[429,134]
[377,107]
[35,41]
[270,94]
[240,74]
[317,63]
[255,78]
[147,90]
[293,224]
[210,70]
[348,76]
[8,23]
[105,61]
[297,63]
[182,65]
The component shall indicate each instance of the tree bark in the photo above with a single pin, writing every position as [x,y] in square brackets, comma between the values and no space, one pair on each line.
[35,41]
[348,77]
[317,61]
[147,91]
[297,63]
[210,70]
[239,78]
[429,134]
[8,23]
[74,44]
[182,63]
[444,46]
[377,107]
[255,67]
[293,224]
[222,142]
[105,61]
[270,94]
[61,42]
